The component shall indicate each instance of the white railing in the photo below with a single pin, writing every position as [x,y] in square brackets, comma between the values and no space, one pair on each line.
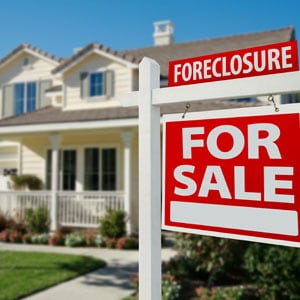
[84,209]
[77,209]
[15,203]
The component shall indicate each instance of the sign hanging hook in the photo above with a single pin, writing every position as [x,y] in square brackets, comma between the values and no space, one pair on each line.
[187,107]
[271,99]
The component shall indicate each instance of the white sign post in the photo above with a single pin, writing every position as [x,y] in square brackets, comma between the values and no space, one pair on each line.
[148,99]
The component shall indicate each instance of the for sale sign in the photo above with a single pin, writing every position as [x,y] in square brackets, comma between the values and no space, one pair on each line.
[263,60]
[233,173]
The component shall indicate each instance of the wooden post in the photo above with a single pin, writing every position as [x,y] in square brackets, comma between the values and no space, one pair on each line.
[149,184]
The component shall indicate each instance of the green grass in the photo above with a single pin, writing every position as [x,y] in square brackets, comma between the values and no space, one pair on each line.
[24,273]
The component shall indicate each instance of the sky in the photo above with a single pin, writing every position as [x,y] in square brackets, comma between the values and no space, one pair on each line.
[59,26]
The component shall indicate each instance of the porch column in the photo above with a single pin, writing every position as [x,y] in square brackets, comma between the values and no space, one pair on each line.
[127,137]
[55,142]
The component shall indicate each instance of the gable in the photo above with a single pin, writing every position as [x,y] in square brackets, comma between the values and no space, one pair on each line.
[25,67]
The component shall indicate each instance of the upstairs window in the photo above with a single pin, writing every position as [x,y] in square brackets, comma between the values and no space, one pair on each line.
[24,97]
[96,84]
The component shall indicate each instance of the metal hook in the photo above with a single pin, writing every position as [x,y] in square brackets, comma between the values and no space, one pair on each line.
[187,107]
[271,99]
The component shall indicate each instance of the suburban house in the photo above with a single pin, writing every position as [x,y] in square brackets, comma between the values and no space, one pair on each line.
[61,121]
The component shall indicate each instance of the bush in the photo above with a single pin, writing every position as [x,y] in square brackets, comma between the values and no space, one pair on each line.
[222,293]
[4,235]
[75,239]
[113,224]
[99,241]
[27,238]
[3,221]
[218,257]
[274,270]
[56,239]
[15,236]
[37,221]
[127,242]
[170,288]
[26,181]
[40,239]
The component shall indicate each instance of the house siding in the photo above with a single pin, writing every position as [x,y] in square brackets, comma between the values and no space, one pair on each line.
[95,63]
[14,72]
[33,158]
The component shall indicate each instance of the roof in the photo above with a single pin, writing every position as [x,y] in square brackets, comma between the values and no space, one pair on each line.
[50,115]
[25,46]
[164,54]
[89,49]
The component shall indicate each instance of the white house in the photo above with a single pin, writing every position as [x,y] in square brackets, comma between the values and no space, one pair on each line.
[61,121]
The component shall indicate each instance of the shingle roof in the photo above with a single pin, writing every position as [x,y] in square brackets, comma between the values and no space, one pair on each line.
[50,115]
[164,54]
[89,48]
[24,46]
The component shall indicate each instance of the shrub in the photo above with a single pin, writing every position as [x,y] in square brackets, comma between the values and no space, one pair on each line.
[90,236]
[56,239]
[27,238]
[113,224]
[99,241]
[222,293]
[110,243]
[4,235]
[75,239]
[15,236]
[3,221]
[40,239]
[274,270]
[26,181]
[170,288]
[218,257]
[127,242]
[37,221]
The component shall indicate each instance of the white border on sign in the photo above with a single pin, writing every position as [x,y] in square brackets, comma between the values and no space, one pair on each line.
[215,114]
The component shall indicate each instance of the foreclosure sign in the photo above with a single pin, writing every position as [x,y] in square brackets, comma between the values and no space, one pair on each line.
[233,173]
[263,60]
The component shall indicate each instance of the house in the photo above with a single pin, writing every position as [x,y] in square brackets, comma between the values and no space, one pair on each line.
[61,121]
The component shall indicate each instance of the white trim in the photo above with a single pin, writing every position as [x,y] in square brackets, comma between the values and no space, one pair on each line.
[68,126]
[285,83]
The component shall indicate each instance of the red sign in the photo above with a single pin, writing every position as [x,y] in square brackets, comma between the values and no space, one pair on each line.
[233,176]
[263,60]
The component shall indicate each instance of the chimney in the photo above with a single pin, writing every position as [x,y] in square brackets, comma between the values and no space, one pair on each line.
[163,33]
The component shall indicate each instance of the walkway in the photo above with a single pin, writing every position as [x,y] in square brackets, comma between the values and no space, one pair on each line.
[110,283]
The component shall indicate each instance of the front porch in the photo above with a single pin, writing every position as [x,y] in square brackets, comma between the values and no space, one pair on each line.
[73,209]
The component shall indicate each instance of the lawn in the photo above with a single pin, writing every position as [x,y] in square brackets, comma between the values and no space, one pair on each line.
[24,273]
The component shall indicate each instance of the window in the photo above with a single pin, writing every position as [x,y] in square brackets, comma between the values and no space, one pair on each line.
[100,169]
[24,97]
[66,170]
[96,84]
[91,172]
[108,169]
[69,170]
[31,96]
[19,98]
